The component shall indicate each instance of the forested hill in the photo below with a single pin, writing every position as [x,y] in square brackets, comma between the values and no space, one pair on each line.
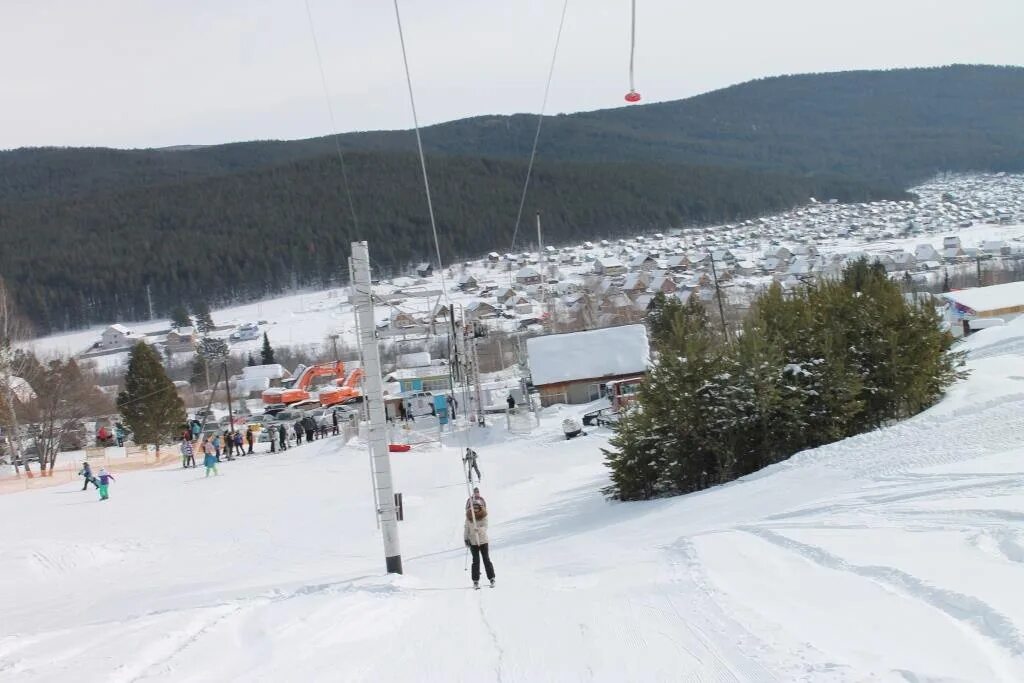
[230,237]
[895,127]
[89,228]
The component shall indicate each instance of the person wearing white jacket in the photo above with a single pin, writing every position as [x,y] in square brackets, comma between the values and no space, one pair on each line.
[475,536]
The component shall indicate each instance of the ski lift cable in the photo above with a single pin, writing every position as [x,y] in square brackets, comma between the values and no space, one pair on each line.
[540,122]
[632,96]
[633,40]
[330,114]
[419,147]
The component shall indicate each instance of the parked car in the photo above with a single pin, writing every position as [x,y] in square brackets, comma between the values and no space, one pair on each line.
[245,332]
[274,408]
[323,416]
[290,415]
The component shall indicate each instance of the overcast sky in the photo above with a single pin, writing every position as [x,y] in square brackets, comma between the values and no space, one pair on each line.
[147,73]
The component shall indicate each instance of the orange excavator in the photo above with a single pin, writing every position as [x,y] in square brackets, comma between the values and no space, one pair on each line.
[298,390]
[347,389]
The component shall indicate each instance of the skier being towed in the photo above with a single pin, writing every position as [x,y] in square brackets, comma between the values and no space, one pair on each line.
[475,536]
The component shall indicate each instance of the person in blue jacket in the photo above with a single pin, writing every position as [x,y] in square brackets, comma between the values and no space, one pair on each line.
[210,460]
[86,473]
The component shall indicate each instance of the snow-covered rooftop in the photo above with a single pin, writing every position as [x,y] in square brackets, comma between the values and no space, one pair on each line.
[591,354]
[993,298]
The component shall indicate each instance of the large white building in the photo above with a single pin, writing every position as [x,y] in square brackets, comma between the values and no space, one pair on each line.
[575,367]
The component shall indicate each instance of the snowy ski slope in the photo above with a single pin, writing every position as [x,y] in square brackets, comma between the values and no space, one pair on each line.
[893,556]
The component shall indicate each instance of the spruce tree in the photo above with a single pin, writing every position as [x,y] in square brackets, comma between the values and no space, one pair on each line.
[180,317]
[249,360]
[821,363]
[267,352]
[149,404]
[204,321]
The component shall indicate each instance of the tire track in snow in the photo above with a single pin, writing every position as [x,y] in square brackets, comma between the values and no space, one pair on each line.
[966,609]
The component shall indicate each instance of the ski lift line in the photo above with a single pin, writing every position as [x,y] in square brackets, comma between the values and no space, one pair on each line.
[330,114]
[419,147]
[632,96]
[633,40]
[540,121]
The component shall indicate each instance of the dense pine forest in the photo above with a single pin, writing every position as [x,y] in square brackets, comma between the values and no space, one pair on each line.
[87,230]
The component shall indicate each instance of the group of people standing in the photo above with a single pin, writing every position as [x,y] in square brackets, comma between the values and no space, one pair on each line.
[230,444]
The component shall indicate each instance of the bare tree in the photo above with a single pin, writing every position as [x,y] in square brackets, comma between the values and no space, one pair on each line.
[64,398]
[13,366]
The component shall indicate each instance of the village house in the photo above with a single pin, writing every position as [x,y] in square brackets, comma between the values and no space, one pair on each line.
[528,276]
[952,254]
[425,270]
[479,310]
[575,367]
[117,337]
[635,282]
[678,262]
[996,247]
[662,283]
[903,260]
[607,265]
[997,302]
[181,339]
[400,323]
[926,252]
[466,282]
[643,262]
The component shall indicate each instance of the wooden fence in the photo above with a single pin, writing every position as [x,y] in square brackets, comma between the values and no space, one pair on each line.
[113,459]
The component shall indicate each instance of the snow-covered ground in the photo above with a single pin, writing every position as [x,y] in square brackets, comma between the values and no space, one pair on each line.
[893,556]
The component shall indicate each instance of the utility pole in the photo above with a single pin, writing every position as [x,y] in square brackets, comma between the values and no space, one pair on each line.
[374,392]
[149,300]
[227,388]
[718,294]
[540,265]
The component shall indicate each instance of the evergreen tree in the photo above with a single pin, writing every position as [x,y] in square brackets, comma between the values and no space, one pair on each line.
[149,404]
[249,360]
[180,317]
[825,362]
[662,313]
[267,352]
[204,321]
[670,445]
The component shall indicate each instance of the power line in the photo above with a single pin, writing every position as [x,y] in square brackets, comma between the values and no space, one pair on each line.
[330,113]
[540,121]
[419,146]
